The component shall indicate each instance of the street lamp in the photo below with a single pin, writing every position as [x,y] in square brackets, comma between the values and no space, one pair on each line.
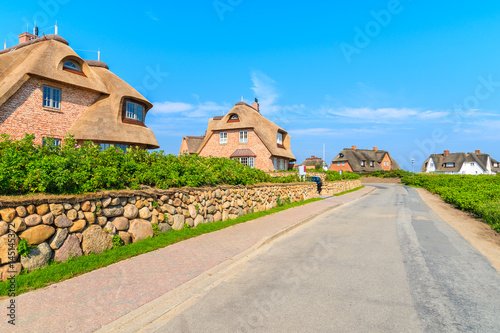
[412,170]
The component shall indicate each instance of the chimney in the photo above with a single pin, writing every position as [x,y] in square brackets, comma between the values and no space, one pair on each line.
[478,151]
[26,37]
[255,105]
[375,148]
[446,153]
[353,147]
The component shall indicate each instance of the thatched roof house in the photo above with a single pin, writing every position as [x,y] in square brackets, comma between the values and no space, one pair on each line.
[461,163]
[191,144]
[313,162]
[363,160]
[245,134]
[46,89]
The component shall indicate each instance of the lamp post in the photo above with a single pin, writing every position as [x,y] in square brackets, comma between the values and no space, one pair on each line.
[412,170]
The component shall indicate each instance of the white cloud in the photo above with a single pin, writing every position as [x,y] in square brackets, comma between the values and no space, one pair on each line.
[170,107]
[265,90]
[322,131]
[385,114]
[202,109]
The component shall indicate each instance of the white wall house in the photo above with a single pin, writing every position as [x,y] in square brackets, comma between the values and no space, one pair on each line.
[461,164]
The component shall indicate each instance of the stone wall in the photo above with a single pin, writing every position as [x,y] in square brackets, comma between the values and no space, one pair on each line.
[331,188]
[321,175]
[62,227]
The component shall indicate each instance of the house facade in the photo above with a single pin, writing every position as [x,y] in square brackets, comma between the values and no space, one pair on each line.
[363,160]
[47,90]
[246,135]
[191,144]
[311,162]
[475,163]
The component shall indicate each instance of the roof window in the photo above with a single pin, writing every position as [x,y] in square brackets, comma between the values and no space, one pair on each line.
[72,65]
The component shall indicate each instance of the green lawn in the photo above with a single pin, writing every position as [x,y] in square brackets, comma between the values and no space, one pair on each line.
[56,271]
[349,191]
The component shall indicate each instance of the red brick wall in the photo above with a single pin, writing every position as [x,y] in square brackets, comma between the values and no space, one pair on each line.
[24,112]
[335,167]
[263,160]
[184,147]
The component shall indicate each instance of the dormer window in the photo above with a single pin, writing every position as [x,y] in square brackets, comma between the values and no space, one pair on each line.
[279,139]
[135,111]
[449,165]
[72,65]
[372,163]
[233,118]
[495,164]
[341,155]
[363,163]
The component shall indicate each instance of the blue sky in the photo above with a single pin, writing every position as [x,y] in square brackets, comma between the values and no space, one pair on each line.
[411,77]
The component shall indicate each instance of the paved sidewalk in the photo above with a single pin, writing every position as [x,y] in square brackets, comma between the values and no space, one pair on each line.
[95,299]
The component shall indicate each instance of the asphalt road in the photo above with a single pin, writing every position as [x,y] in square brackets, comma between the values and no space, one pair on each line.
[384,263]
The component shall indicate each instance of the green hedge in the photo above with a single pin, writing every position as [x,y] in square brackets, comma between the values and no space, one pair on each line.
[69,169]
[332,176]
[476,194]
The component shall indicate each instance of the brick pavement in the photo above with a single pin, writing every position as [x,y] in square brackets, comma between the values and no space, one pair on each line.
[89,301]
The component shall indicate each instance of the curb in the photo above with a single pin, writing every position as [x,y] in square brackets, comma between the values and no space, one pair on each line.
[180,298]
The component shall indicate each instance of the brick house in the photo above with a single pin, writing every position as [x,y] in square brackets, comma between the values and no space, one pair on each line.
[311,163]
[245,134]
[363,160]
[476,163]
[47,90]
[191,144]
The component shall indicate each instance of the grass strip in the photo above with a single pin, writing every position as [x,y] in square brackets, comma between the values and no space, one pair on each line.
[349,191]
[57,271]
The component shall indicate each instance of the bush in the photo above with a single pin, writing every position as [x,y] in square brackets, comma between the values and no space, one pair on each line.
[69,169]
[332,176]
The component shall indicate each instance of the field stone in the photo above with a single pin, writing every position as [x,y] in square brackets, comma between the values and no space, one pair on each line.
[58,239]
[96,240]
[112,211]
[67,206]
[4,227]
[81,215]
[31,209]
[190,221]
[105,202]
[123,201]
[121,223]
[110,228]
[72,214]
[10,270]
[198,220]
[85,206]
[70,248]
[8,214]
[217,217]
[48,219]
[77,206]
[33,220]
[38,234]
[140,229]
[125,237]
[211,210]
[192,211]
[5,241]
[21,211]
[132,200]
[144,213]
[210,218]
[130,211]
[177,202]
[178,222]
[164,227]
[18,225]
[89,217]
[93,207]
[37,258]
[115,201]
[56,209]
[154,219]
[78,226]
[42,209]
[102,220]
[168,209]
[62,221]
[79,235]
[139,204]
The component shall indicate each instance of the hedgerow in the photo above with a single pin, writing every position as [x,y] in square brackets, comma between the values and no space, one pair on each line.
[476,194]
[332,176]
[69,169]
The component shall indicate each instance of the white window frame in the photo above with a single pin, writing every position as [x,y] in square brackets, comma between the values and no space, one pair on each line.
[246,160]
[105,145]
[51,97]
[57,141]
[73,65]
[338,163]
[363,163]
[223,138]
[134,111]
[281,164]
[343,163]
[372,163]
[279,138]
[275,163]
[243,136]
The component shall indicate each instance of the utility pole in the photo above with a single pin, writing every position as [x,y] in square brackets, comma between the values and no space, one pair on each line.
[412,170]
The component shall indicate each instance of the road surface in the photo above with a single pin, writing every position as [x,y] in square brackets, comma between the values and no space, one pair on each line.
[384,263]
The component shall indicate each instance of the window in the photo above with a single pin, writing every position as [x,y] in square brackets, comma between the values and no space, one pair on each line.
[249,161]
[282,164]
[55,142]
[222,138]
[363,163]
[341,155]
[243,136]
[275,163]
[135,111]
[343,163]
[338,163]
[372,163]
[233,118]
[73,65]
[51,97]
[495,165]
[105,146]
[280,138]
[449,165]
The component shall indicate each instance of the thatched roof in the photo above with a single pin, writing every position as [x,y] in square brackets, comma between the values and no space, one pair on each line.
[459,159]
[355,156]
[193,143]
[313,161]
[44,58]
[250,118]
